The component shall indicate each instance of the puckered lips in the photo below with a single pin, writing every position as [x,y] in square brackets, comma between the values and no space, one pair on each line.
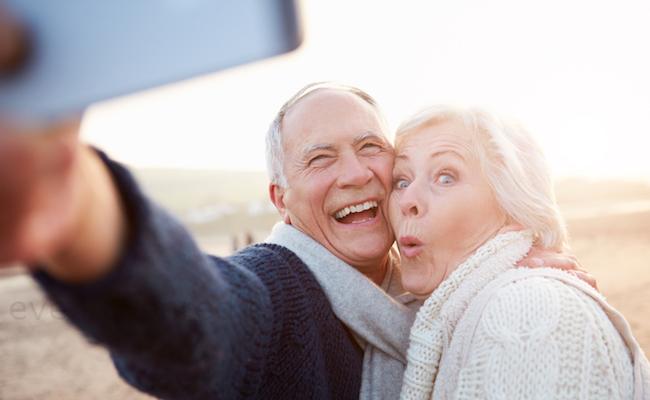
[410,246]
[358,213]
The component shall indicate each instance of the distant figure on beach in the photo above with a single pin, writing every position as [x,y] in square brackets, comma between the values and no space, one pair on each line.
[248,238]
[234,242]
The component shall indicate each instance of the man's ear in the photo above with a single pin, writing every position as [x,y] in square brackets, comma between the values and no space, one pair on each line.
[276,193]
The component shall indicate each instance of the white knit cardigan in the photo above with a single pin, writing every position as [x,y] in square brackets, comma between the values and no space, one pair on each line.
[492,331]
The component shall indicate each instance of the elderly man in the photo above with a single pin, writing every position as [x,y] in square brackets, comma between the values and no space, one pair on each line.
[276,320]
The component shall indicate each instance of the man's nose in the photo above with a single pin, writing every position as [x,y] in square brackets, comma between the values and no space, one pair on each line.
[353,172]
[410,203]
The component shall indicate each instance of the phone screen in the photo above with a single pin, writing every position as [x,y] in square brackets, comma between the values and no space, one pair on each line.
[86,51]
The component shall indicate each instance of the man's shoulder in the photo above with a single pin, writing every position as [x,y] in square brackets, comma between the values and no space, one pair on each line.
[265,254]
[274,265]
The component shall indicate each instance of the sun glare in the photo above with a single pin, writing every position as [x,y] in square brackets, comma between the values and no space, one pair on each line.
[575,73]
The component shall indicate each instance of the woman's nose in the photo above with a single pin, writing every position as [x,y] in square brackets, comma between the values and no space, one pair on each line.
[353,172]
[410,203]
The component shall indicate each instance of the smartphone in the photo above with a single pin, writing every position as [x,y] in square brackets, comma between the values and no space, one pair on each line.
[85,51]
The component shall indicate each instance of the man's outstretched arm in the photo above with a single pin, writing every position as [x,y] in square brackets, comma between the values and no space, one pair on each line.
[58,205]
[178,323]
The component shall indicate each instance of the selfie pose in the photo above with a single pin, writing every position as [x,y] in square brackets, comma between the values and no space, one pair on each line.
[317,311]
[462,179]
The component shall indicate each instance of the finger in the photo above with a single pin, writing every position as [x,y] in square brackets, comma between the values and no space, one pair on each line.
[545,259]
[14,43]
[68,126]
[585,277]
[549,262]
[531,262]
[573,258]
[47,147]
[561,263]
[539,253]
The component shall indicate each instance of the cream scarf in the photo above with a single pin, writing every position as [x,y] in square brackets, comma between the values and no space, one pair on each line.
[473,284]
[430,333]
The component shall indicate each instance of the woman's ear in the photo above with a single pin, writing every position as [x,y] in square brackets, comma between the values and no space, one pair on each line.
[276,194]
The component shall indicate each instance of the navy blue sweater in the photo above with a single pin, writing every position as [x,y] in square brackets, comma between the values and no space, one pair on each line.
[183,325]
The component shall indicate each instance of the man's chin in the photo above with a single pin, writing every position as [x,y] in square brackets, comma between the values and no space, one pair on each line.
[366,248]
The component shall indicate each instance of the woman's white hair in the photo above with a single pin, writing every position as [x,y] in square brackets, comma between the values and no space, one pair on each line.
[513,164]
[274,149]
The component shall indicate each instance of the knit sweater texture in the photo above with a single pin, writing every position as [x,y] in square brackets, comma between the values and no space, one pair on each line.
[379,317]
[493,331]
[183,325]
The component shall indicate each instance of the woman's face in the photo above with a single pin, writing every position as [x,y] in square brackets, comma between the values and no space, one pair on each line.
[442,207]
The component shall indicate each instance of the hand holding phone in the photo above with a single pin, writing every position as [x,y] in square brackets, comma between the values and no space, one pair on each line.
[14,43]
[81,52]
[36,194]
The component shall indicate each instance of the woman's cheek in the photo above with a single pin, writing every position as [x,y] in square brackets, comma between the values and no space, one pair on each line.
[449,214]
[394,214]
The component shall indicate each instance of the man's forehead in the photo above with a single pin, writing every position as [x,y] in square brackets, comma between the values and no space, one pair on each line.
[327,95]
[327,115]
[329,109]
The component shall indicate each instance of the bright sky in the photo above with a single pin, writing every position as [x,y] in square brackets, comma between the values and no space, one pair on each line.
[576,73]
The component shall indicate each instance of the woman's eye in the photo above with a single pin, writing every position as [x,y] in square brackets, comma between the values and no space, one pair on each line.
[445,179]
[401,184]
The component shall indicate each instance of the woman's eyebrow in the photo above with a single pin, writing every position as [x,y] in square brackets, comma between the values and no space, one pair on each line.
[436,154]
[453,153]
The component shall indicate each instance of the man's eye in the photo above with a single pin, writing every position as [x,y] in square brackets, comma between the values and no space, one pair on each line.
[445,179]
[319,158]
[401,184]
[371,147]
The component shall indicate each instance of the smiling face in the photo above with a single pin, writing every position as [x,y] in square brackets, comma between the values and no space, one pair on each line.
[338,166]
[442,207]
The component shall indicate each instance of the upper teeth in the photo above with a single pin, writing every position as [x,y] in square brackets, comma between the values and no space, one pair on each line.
[355,209]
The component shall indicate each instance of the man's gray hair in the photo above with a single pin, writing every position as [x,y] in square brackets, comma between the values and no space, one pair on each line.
[513,164]
[274,149]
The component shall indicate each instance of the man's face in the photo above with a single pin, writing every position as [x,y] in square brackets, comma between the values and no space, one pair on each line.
[338,165]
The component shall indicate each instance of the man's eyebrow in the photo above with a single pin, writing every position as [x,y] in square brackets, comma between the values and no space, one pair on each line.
[360,138]
[368,135]
[315,147]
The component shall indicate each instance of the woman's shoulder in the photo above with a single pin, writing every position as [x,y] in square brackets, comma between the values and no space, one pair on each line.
[543,297]
[556,311]
[529,306]
[526,284]
[539,330]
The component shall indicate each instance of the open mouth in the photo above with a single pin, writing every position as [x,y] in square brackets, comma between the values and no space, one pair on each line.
[410,246]
[357,213]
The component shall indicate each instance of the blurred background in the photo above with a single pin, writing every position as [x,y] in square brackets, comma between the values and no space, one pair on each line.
[574,72]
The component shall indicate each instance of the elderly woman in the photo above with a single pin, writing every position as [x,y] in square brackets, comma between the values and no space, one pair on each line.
[462,180]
